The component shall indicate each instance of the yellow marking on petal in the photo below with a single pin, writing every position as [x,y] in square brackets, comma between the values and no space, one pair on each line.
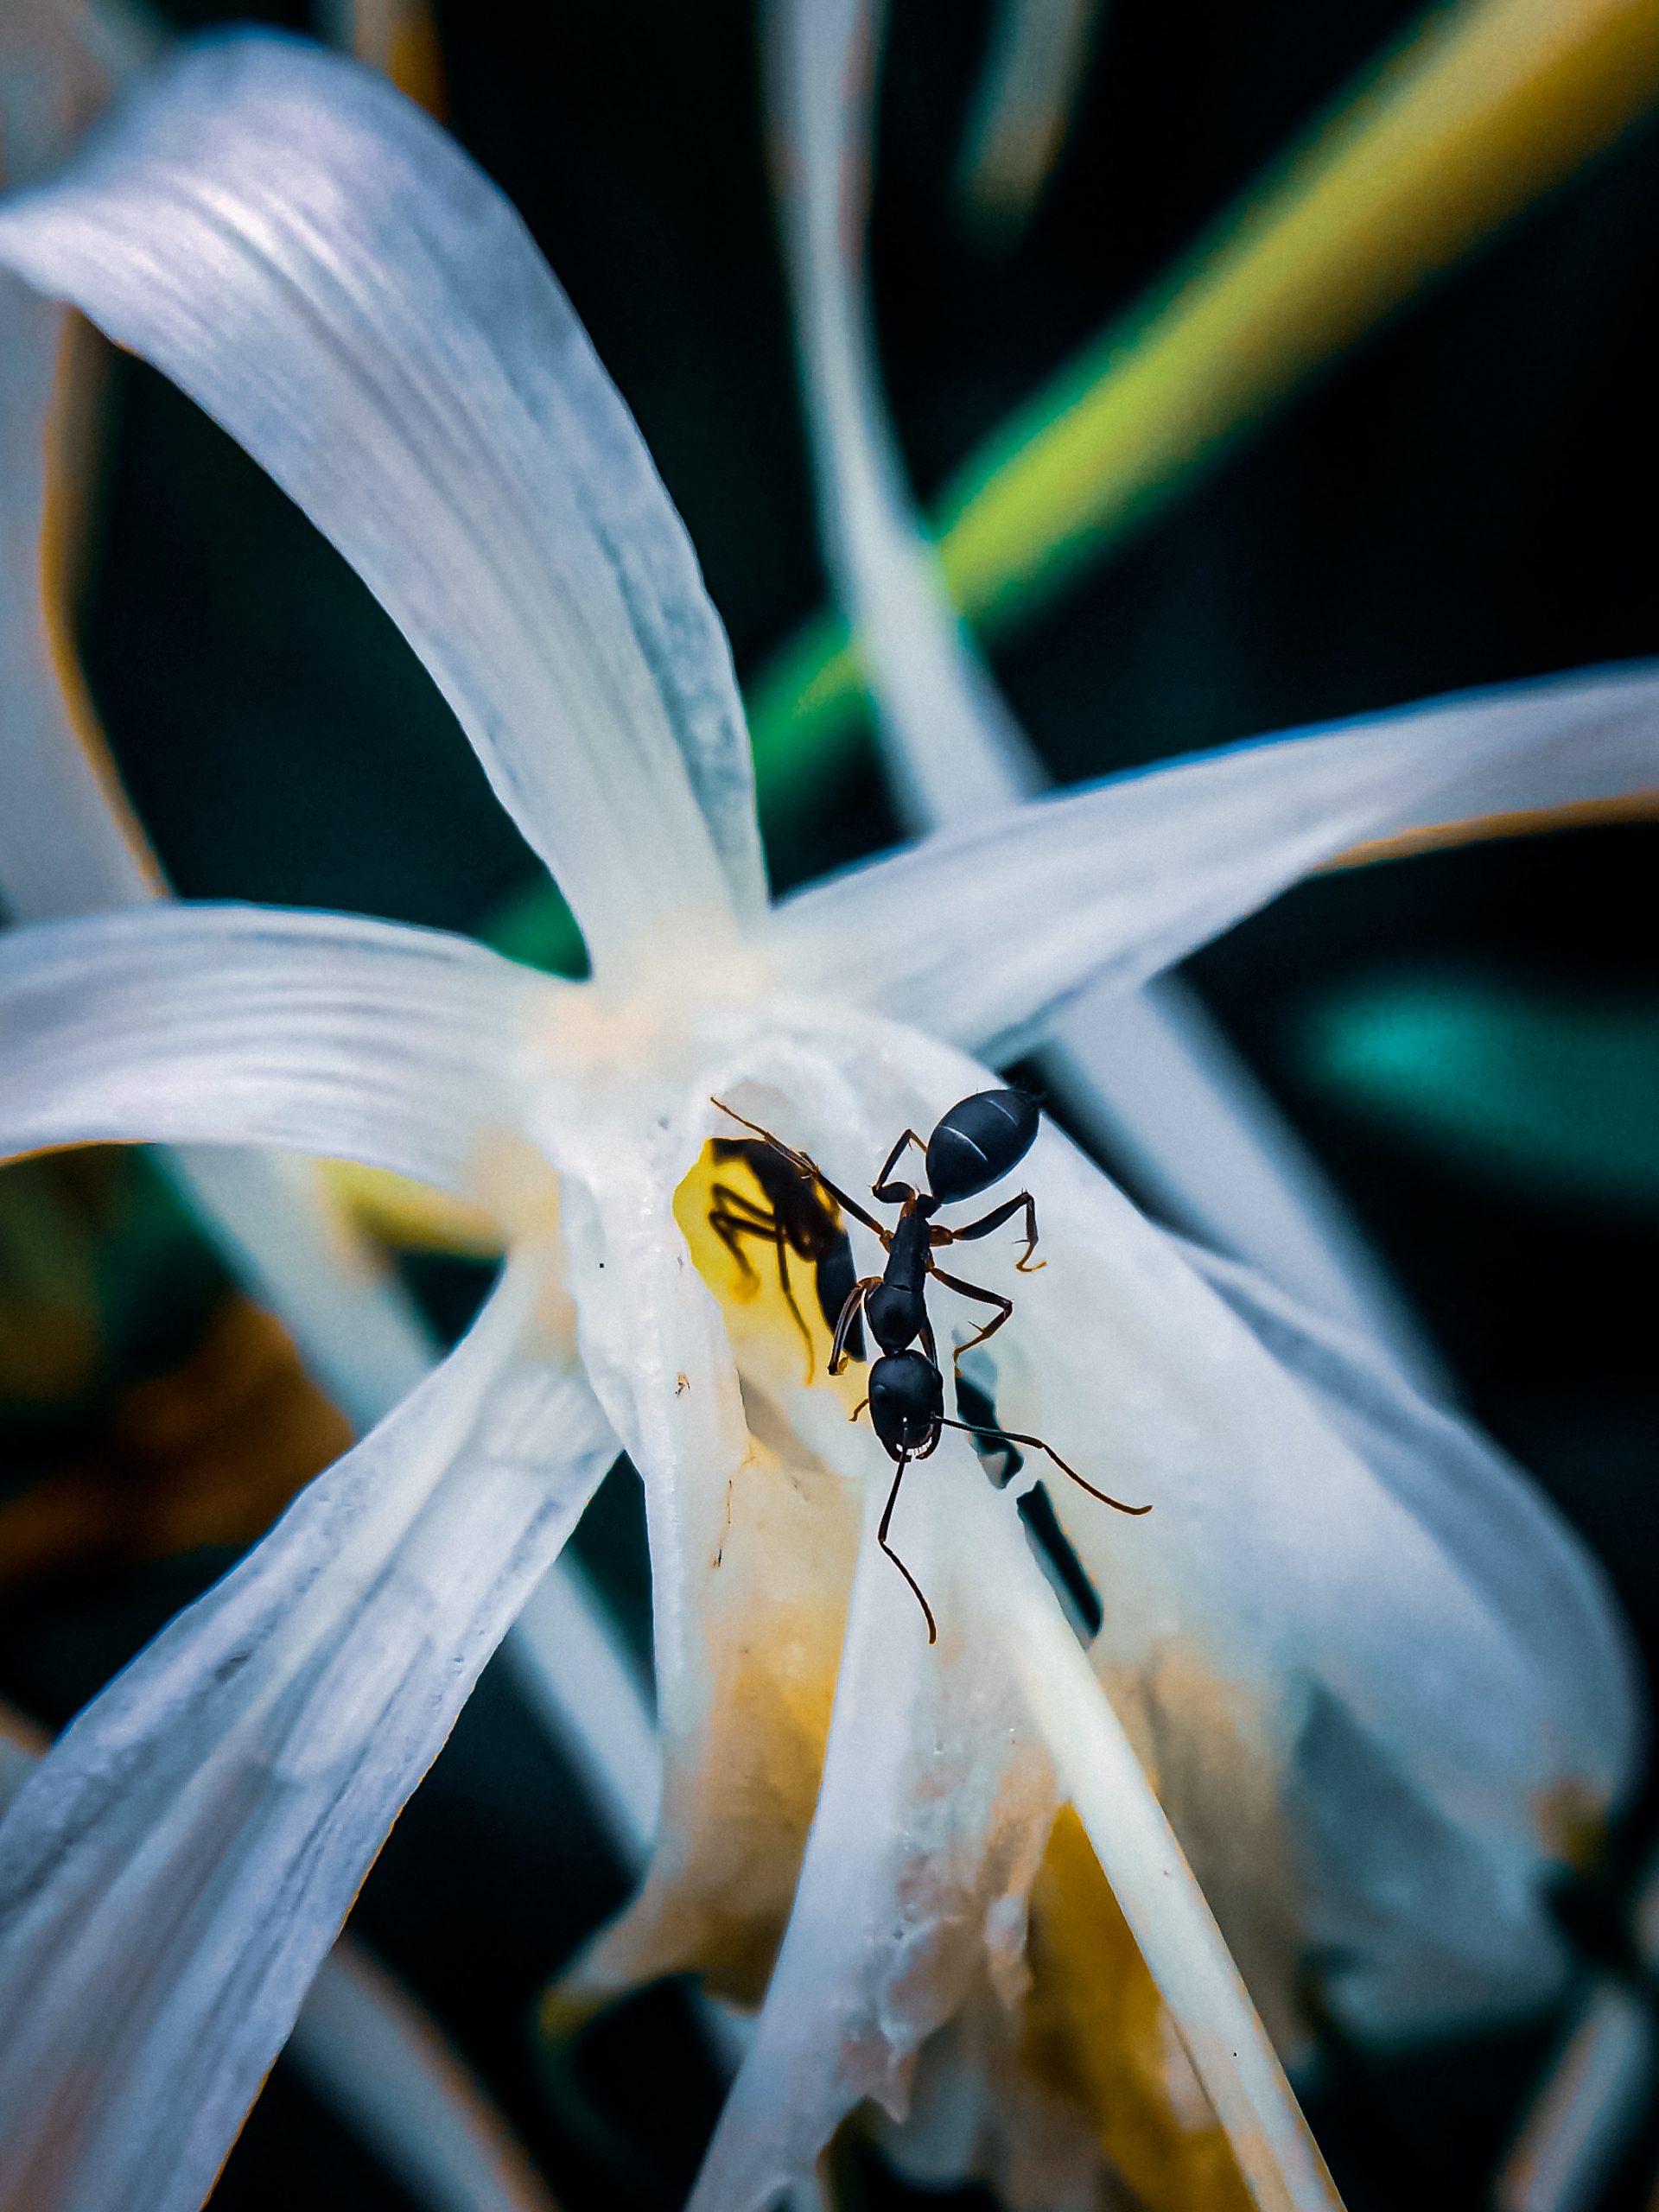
[764,1334]
[1096,2033]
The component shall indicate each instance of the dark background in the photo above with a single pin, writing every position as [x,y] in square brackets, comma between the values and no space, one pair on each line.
[1467,498]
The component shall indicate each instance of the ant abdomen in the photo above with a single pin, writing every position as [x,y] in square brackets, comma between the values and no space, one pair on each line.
[978,1141]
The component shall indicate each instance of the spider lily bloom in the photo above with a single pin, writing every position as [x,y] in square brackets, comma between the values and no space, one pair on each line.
[1342,1615]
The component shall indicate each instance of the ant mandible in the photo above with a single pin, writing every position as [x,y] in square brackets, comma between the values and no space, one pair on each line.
[979,1142]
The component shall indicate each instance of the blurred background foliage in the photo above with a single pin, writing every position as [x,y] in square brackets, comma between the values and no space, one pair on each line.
[1467,1038]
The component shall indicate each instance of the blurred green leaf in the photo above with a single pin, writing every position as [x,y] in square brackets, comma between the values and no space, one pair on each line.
[1556,1095]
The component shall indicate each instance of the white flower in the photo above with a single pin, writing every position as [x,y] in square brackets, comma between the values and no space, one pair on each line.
[1376,1681]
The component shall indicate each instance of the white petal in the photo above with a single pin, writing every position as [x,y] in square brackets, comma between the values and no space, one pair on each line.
[171,1878]
[1507,1540]
[1151,1079]
[980,934]
[1148,1074]
[247,1024]
[316,264]
[1510,1546]
[952,749]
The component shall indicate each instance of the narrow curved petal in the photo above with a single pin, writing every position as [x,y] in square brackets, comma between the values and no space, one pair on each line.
[235,1024]
[980,934]
[952,750]
[1164,1907]
[1148,1075]
[174,1873]
[1531,1573]
[314,261]
[1507,1540]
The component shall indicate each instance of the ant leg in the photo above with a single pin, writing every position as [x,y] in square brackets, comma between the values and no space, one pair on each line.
[729,1227]
[881,1539]
[788,1289]
[849,1313]
[995,1219]
[895,1194]
[805,1165]
[858,1409]
[982,1297]
[1012,1436]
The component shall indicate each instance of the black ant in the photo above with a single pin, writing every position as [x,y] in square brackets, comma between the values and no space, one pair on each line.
[979,1142]
[802,1218]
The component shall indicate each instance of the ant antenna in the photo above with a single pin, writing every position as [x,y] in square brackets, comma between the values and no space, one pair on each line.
[881,1539]
[1012,1436]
